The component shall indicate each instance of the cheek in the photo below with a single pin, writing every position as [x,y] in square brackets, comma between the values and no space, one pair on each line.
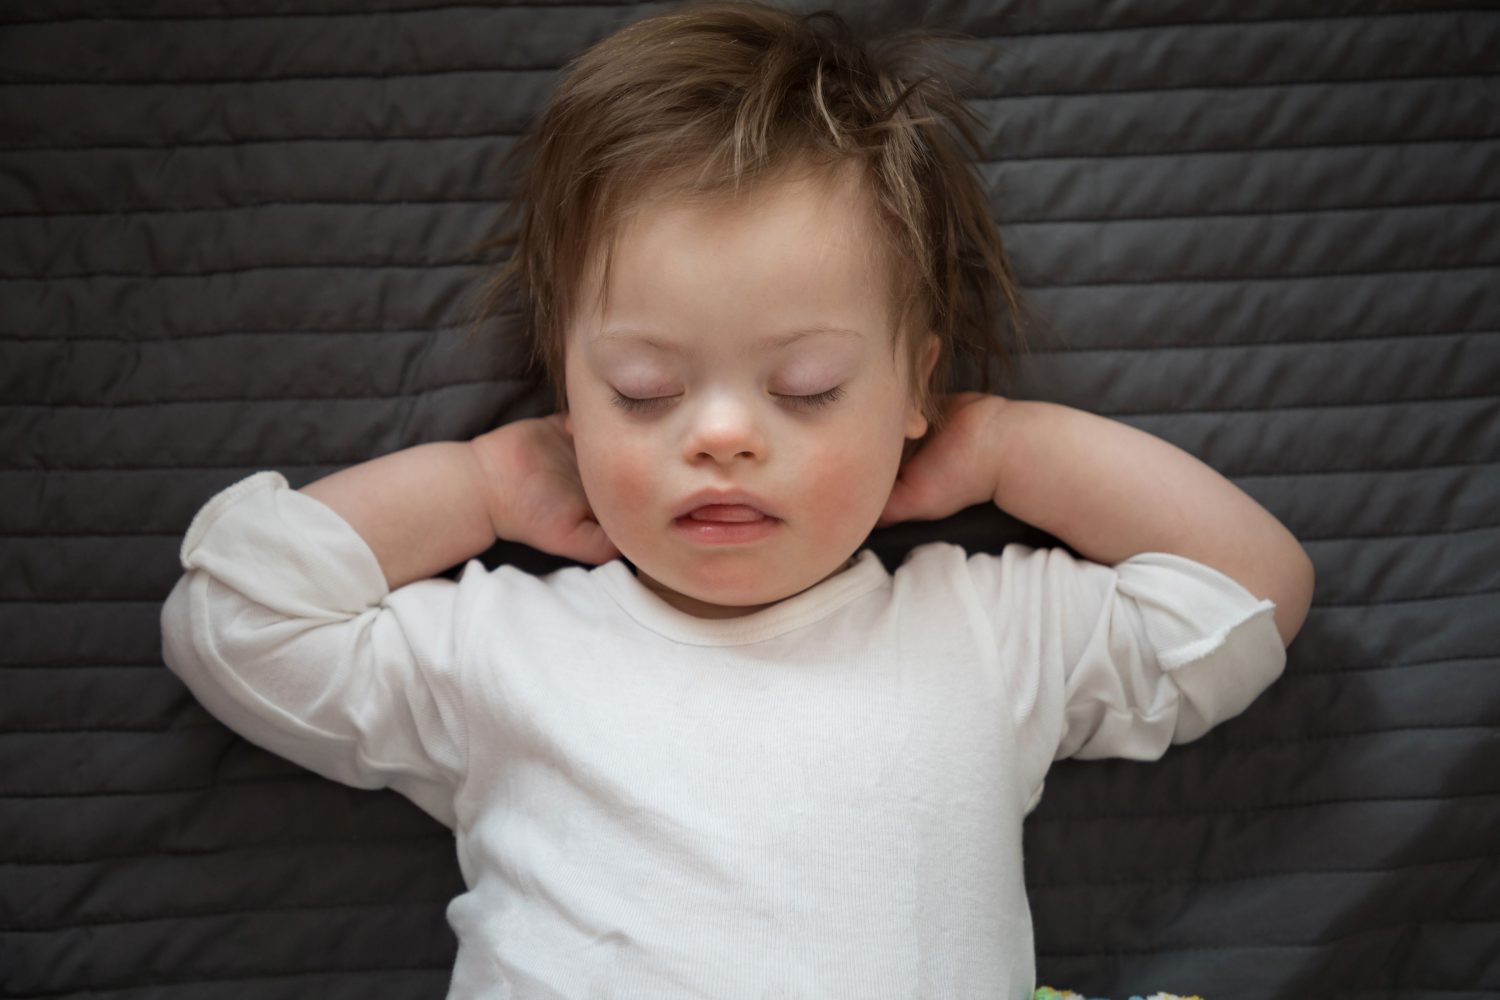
[853,478]
[627,482]
[617,472]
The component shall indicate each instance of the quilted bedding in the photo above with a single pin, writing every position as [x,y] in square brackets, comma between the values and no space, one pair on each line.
[237,236]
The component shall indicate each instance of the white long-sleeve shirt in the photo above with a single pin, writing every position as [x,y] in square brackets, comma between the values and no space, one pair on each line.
[820,799]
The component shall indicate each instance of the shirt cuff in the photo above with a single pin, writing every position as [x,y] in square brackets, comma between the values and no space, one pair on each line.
[284,550]
[1216,640]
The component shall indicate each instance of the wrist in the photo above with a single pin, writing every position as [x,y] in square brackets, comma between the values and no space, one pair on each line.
[1005,429]
[492,456]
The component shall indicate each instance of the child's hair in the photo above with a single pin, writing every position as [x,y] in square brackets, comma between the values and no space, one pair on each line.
[706,98]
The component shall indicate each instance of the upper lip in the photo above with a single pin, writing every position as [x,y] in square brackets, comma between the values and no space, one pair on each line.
[726,498]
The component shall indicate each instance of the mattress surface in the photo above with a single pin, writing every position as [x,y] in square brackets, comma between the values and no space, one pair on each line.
[240,237]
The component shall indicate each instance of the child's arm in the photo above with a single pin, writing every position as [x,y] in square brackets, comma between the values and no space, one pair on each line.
[435,505]
[1108,490]
[304,620]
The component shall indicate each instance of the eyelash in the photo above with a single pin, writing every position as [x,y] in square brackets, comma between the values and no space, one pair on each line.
[816,401]
[632,405]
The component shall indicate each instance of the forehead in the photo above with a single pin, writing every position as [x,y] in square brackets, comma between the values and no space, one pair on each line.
[801,250]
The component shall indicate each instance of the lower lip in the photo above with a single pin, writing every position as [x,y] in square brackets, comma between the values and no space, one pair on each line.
[725,532]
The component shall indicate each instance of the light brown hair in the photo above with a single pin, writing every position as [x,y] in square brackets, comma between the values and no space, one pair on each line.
[709,98]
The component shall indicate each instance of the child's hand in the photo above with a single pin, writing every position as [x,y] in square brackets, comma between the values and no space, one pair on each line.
[955,467]
[534,493]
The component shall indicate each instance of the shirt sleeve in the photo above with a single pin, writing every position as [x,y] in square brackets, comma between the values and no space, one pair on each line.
[283,627]
[1124,660]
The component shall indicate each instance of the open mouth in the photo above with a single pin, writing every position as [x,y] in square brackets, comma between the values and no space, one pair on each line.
[725,513]
[725,524]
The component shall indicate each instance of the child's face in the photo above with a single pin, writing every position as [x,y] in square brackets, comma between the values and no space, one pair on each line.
[763,453]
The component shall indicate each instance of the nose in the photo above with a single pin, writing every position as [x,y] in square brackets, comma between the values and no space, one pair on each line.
[724,428]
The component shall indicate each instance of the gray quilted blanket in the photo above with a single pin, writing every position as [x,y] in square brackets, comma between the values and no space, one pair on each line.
[237,236]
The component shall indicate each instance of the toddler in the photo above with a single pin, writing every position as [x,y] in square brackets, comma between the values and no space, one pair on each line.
[732,754]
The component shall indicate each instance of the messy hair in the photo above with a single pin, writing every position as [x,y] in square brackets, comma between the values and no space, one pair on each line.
[707,99]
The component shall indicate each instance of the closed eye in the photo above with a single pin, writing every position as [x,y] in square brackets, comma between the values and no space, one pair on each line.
[633,404]
[816,401]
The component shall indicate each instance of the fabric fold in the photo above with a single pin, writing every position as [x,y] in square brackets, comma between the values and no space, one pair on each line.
[1216,640]
[240,537]
[283,627]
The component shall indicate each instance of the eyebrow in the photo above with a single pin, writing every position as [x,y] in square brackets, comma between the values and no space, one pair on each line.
[775,340]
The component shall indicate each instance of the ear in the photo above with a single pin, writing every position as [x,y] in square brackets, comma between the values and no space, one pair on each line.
[916,422]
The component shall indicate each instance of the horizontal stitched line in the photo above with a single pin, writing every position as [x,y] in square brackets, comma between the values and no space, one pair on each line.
[440,265]
[92,990]
[1179,814]
[1257,345]
[1303,407]
[164,404]
[13,731]
[1378,471]
[239,401]
[1486,657]
[340,463]
[1248,214]
[1307,539]
[170,148]
[1003,221]
[1278,741]
[299,776]
[1214,88]
[463,327]
[1240,278]
[241,81]
[1391,601]
[1373,668]
[1218,21]
[1241,946]
[92,536]
[256,205]
[1179,154]
[511,315]
[1092,94]
[1304,538]
[363,14]
[277,849]
[155,665]
[1147,883]
[214,914]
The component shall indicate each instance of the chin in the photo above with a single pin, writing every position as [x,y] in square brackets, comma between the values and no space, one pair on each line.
[731,589]
[742,596]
